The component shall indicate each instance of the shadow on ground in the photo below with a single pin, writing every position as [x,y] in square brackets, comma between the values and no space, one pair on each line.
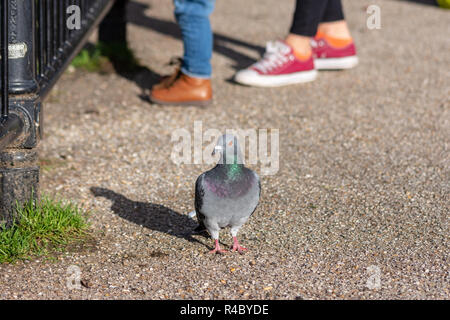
[146,78]
[152,216]
[125,64]
[135,15]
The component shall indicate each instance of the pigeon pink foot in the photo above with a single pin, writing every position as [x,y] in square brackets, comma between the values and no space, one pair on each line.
[237,247]
[217,248]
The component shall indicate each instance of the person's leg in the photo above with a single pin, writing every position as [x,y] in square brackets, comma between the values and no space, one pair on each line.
[193,18]
[289,61]
[296,59]
[333,22]
[333,45]
[324,20]
[307,16]
[190,84]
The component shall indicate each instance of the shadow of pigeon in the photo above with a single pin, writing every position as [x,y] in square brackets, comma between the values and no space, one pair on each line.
[149,215]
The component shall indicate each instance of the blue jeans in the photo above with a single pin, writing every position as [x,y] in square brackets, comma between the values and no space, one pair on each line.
[193,18]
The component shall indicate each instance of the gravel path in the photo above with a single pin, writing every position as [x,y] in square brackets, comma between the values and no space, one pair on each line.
[362,190]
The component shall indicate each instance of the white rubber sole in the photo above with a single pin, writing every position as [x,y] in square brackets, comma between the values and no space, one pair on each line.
[252,78]
[336,63]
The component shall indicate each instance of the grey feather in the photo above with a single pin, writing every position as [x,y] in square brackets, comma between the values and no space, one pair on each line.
[228,194]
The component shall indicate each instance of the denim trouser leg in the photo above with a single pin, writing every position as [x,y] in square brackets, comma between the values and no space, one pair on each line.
[193,19]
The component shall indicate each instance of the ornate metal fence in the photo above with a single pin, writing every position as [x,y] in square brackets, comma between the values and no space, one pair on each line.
[38,39]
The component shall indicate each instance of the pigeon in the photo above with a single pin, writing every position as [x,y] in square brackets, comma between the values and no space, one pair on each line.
[227,195]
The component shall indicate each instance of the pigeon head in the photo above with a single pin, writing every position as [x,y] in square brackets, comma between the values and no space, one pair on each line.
[228,148]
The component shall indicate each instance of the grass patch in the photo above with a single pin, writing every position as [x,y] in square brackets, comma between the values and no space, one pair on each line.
[103,57]
[42,228]
[90,59]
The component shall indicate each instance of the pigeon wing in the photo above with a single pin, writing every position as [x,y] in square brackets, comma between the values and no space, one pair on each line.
[199,194]
[259,189]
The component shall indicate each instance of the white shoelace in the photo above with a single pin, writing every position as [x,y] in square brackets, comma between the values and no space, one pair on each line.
[275,56]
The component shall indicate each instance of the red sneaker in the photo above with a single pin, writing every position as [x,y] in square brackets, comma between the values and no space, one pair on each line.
[278,67]
[333,54]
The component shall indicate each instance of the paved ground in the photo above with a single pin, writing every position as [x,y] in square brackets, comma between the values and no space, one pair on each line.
[362,188]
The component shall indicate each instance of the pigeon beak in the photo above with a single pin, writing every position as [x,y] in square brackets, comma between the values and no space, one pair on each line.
[217,149]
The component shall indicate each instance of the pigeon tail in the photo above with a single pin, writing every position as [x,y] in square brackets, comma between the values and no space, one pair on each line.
[200,229]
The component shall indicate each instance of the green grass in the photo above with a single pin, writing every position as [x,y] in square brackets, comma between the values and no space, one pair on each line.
[41,229]
[90,60]
[102,56]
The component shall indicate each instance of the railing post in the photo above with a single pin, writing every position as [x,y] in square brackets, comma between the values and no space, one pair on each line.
[19,181]
[36,41]
[19,172]
[22,64]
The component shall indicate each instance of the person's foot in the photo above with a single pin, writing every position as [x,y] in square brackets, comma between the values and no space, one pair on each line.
[167,80]
[333,53]
[279,66]
[182,90]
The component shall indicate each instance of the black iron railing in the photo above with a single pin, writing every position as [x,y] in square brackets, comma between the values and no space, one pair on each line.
[53,42]
[58,46]
[10,125]
[4,62]
[37,43]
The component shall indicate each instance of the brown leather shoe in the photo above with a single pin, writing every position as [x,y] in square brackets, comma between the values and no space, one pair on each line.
[167,81]
[182,90]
